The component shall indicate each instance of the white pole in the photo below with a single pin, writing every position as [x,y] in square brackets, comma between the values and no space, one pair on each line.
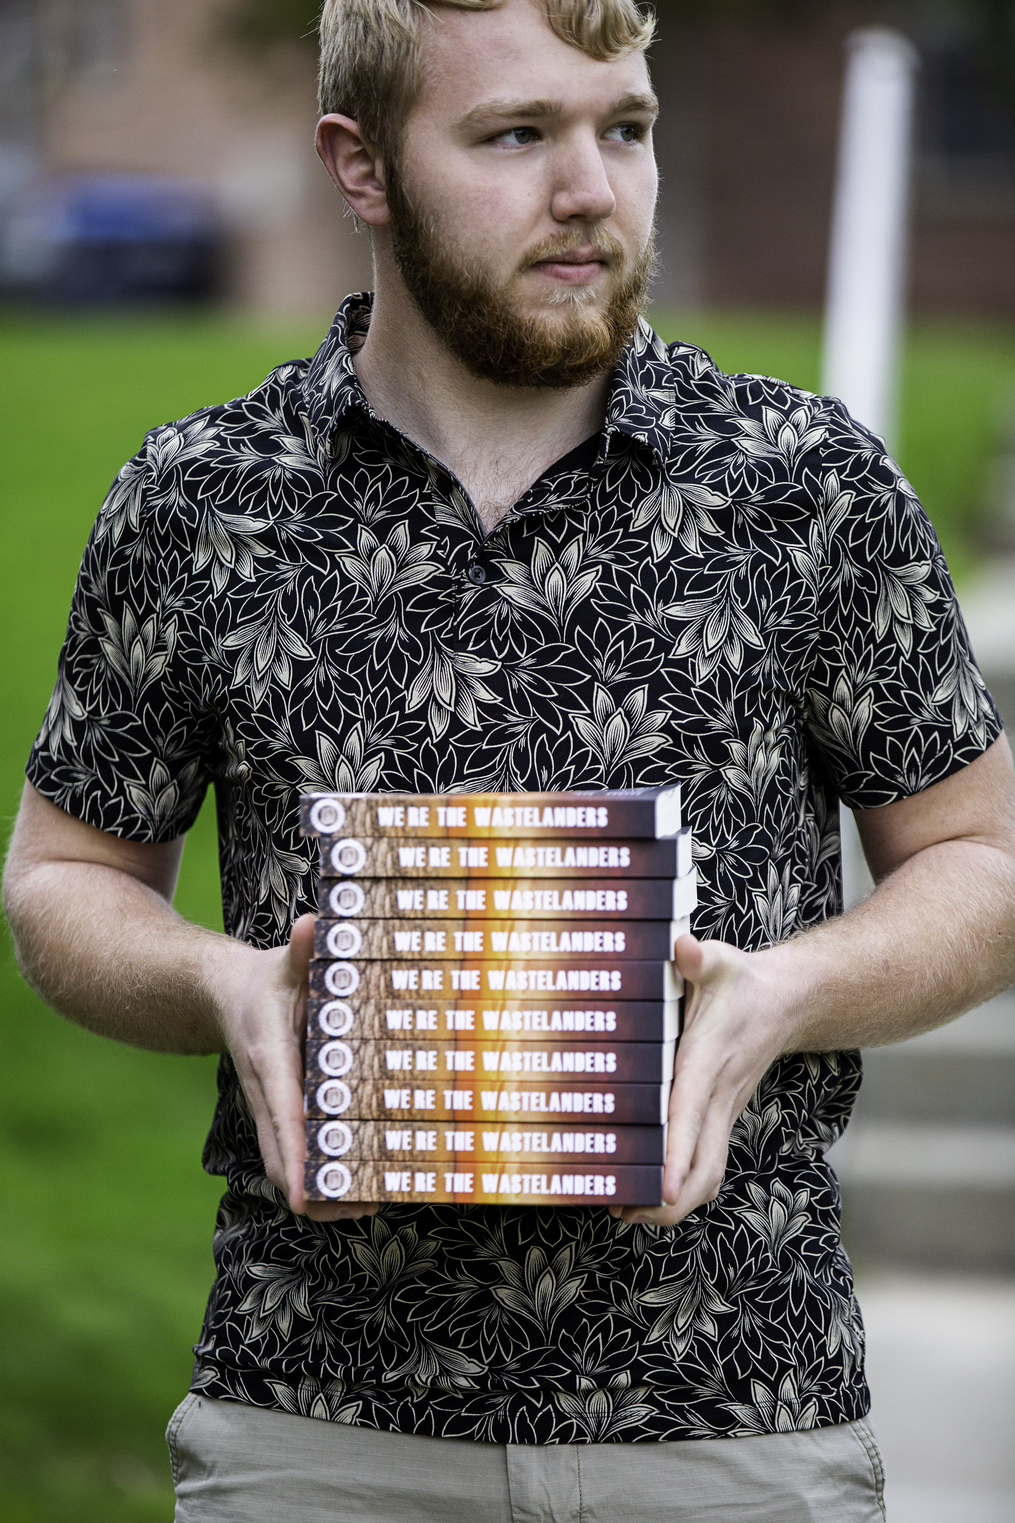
[867,265]
[866,272]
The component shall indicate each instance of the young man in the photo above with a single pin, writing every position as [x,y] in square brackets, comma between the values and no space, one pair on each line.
[495,534]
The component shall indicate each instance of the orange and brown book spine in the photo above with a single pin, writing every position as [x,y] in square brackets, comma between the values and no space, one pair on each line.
[660,899]
[393,1061]
[345,855]
[594,1185]
[556,1021]
[566,977]
[647,813]
[402,940]
[655,980]
[564,1145]
[420,1098]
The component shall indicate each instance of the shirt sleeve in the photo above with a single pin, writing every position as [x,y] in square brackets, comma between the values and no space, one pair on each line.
[896,702]
[125,744]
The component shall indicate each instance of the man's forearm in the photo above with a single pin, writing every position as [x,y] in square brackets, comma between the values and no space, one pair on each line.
[112,955]
[105,947]
[935,938]
[96,935]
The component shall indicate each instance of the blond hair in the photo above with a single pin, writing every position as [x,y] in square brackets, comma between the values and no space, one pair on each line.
[370,66]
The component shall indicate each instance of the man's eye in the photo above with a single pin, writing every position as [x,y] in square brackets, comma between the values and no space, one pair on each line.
[517,137]
[628,132]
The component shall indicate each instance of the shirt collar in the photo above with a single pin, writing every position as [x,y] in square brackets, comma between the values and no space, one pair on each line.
[331,385]
[643,397]
[642,401]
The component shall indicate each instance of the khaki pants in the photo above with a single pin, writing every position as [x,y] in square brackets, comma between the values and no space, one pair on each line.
[240,1464]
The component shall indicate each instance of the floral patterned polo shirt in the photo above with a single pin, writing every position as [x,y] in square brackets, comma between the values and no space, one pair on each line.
[733,589]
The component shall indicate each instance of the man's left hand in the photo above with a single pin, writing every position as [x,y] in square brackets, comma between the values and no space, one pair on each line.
[736,1023]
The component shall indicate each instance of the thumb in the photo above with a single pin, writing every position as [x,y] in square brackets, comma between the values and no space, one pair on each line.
[301,947]
[707,966]
[689,956]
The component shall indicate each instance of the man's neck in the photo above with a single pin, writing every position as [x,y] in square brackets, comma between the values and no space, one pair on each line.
[497,440]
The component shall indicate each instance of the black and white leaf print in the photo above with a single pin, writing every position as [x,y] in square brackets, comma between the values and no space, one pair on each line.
[731,587]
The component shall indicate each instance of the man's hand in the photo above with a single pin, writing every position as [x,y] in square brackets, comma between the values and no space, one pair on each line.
[96,935]
[935,938]
[736,1023]
[263,1004]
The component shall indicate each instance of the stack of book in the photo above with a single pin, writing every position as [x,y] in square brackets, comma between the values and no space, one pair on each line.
[493,1007]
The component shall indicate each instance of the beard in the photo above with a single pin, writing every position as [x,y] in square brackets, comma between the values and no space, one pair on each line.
[567,346]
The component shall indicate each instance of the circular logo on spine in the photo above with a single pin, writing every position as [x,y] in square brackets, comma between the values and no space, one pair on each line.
[336,1018]
[327,816]
[341,978]
[335,1058]
[333,1180]
[334,1096]
[334,1138]
[344,940]
[348,856]
[346,899]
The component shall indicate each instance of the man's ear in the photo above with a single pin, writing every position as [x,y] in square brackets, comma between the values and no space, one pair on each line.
[355,166]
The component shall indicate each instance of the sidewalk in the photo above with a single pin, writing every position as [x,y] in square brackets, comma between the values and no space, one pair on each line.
[941,1363]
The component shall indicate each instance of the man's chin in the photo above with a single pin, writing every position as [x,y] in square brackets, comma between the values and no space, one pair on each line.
[547,294]
[549,351]
[575,298]
[562,311]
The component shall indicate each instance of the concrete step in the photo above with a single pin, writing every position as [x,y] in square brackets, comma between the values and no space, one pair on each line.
[927,1165]
[937,1197]
[953,1157]
[931,1087]
[963,1072]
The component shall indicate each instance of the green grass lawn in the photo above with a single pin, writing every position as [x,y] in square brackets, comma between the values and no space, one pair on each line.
[105,1256]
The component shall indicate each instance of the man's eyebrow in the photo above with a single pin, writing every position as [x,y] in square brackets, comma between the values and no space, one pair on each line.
[531,110]
[490,110]
[643,101]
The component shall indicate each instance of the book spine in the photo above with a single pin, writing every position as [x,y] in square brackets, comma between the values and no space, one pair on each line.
[346,855]
[377,1020]
[595,1185]
[642,813]
[400,940]
[564,1146]
[527,899]
[498,1062]
[432,1100]
[654,980]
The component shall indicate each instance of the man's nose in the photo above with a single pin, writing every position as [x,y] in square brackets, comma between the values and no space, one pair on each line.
[581,187]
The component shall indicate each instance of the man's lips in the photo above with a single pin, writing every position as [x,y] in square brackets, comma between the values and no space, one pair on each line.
[574,268]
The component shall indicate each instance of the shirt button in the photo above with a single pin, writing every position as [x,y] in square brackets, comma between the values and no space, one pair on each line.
[476,574]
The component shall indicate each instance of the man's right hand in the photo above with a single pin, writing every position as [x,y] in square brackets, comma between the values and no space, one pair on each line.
[263,1002]
[97,937]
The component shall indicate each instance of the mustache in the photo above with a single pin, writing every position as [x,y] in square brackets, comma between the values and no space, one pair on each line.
[609,248]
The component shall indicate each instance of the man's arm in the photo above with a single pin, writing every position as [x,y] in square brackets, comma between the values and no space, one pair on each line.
[96,936]
[936,938]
